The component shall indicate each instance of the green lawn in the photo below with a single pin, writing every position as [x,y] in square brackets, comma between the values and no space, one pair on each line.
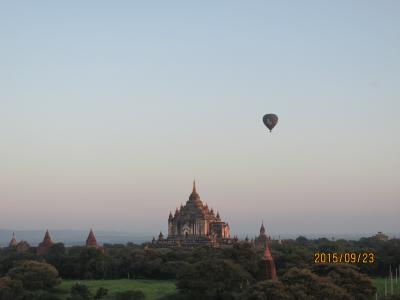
[153,289]
[380,285]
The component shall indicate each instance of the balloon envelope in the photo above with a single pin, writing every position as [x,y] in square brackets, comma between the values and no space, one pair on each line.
[270,120]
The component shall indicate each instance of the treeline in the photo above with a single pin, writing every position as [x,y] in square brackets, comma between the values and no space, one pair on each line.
[216,273]
[129,261]
[133,261]
[300,253]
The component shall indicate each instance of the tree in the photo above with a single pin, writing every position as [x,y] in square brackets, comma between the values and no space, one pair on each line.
[11,289]
[392,297]
[10,256]
[213,279]
[171,268]
[130,295]
[35,275]
[80,291]
[246,256]
[56,255]
[267,290]
[302,240]
[101,293]
[41,295]
[303,284]
[359,285]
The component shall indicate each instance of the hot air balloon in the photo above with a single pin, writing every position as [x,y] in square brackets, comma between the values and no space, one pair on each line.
[270,120]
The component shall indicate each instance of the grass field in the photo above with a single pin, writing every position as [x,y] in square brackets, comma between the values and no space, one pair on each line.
[153,289]
[380,286]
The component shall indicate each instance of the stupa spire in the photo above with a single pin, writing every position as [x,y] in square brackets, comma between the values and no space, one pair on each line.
[194,186]
[194,195]
[267,253]
[269,264]
[13,241]
[262,229]
[91,239]
[44,246]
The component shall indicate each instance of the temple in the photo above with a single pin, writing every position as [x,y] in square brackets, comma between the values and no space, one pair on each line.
[47,243]
[44,246]
[262,239]
[91,241]
[13,242]
[21,246]
[268,265]
[194,224]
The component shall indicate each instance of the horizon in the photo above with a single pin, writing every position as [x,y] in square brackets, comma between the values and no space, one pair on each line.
[78,237]
[110,110]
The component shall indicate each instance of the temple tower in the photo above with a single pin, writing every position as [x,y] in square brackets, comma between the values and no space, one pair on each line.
[13,242]
[45,245]
[91,241]
[268,265]
[194,224]
[262,238]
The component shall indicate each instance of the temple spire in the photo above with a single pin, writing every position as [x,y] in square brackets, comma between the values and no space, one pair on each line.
[194,186]
[91,240]
[13,242]
[262,229]
[267,253]
[269,264]
[194,195]
[44,246]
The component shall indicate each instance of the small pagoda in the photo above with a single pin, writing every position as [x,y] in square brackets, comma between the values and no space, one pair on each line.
[44,246]
[13,242]
[91,241]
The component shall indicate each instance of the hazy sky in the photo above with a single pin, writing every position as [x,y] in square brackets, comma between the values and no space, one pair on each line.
[109,109]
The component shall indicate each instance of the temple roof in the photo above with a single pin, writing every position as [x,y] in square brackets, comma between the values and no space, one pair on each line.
[47,241]
[194,208]
[91,240]
[13,242]
[262,229]
[45,245]
[194,195]
[267,253]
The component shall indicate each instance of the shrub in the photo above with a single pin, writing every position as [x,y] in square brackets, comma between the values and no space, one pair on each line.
[11,289]
[35,275]
[130,295]
[100,293]
[80,291]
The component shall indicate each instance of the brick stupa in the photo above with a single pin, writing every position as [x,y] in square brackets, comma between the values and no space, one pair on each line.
[13,242]
[268,264]
[91,241]
[45,245]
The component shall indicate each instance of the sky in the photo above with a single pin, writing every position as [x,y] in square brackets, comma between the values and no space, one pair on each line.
[110,109]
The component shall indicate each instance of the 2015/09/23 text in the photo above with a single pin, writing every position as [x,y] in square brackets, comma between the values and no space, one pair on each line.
[345,257]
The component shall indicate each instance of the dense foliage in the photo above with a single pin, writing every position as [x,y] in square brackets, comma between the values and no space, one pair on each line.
[29,280]
[202,273]
[133,261]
